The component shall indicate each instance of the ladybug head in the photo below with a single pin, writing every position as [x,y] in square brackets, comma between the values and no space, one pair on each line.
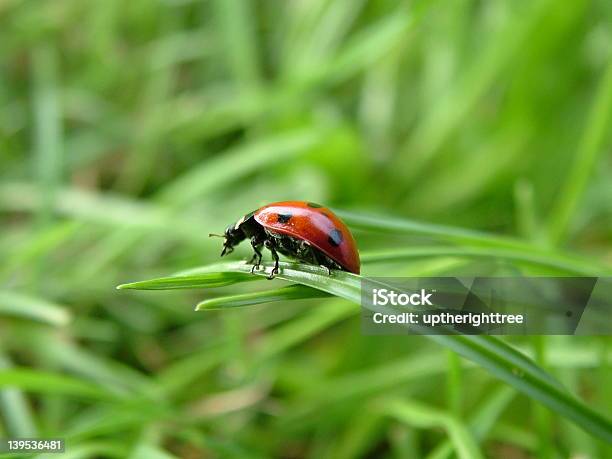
[233,235]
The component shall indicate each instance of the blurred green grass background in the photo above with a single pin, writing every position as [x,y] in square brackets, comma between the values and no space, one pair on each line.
[130,130]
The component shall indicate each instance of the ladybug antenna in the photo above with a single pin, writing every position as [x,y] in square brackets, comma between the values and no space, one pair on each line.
[215,235]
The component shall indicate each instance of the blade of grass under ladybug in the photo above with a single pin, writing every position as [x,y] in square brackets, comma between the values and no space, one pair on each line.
[491,353]
[208,280]
[343,284]
[291,292]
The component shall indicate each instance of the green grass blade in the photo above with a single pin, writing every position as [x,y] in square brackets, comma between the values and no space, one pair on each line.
[88,450]
[523,378]
[15,409]
[562,263]
[106,209]
[491,353]
[365,49]
[208,280]
[376,380]
[481,422]
[402,226]
[292,292]
[244,159]
[443,118]
[454,384]
[149,451]
[114,376]
[44,382]
[340,283]
[233,20]
[48,134]
[28,307]
[298,330]
[476,240]
[186,371]
[39,246]
[597,128]
[425,417]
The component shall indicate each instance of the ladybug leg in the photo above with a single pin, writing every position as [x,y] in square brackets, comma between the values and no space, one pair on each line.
[320,260]
[272,248]
[256,258]
[256,264]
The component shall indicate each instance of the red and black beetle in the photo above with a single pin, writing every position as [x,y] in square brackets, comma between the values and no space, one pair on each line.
[302,230]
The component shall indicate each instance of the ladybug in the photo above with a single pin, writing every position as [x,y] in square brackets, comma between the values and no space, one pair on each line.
[305,231]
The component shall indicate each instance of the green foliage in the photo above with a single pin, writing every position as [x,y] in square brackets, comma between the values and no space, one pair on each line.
[452,137]
[489,352]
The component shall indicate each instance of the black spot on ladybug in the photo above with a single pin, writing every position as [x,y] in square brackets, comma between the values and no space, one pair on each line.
[283,218]
[327,215]
[335,237]
[313,205]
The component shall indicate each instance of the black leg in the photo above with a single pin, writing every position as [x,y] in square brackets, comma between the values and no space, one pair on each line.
[320,260]
[272,248]
[256,258]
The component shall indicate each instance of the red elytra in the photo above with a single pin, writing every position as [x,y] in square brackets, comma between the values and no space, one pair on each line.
[315,224]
